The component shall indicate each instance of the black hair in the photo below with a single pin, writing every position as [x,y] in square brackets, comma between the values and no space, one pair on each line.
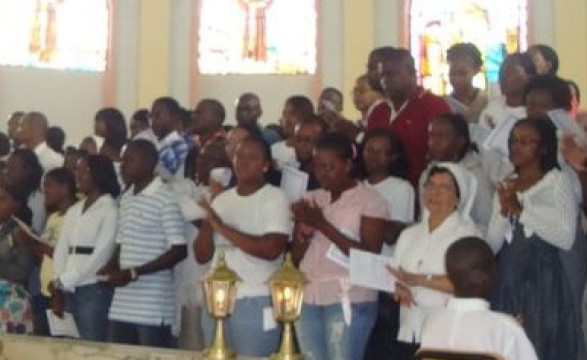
[383,53]
[63,176]
[103,174]
[400,166]
[251,128]
[471,267]
[217,109]
[4,144]
[442,170]
[559,90]
[141,116]
[316,120]
[116,132]
[266,149]
[401,55]
[341,145]
[548,146]
[576,88]
[549,54]
[20,193]
[55,138]
[301,106]
[170,104]
[147,149]
[524,60]
[37,119]
[32,168]
[465,50]
[461,128]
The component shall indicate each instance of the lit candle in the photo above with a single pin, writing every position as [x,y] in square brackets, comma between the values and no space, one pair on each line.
[220,296]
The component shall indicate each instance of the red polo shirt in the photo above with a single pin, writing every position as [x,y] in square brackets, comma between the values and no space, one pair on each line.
[411,126]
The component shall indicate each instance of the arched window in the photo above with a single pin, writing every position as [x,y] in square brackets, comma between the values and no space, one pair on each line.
[497,27]
[55,34]
[257,37]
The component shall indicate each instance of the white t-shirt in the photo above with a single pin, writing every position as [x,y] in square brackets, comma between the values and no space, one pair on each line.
[469,325]
[263,212]
[400,198]
[284,155]
[422,252]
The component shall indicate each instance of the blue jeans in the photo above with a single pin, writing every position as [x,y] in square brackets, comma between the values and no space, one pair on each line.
[244,329]
[89,305]
[323,334]
[137,334]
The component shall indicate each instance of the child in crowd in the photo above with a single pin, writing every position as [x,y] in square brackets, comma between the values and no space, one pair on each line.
[465,62]
[467,324]
[295,109]
[374,107]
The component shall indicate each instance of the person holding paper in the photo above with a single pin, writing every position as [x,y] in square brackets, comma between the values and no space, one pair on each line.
[16,262]
[336,318]
[250,223]
[422,287]
[85,244]
[534,218]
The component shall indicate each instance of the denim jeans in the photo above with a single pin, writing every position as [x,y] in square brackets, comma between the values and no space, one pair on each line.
[323,334]
[137,334]
[244,329]
[89,305]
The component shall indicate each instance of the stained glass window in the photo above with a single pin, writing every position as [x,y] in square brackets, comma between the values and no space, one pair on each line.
[497,27]
[257,37]
[55,34]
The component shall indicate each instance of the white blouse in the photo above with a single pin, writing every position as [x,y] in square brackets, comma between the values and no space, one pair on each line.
[421,251]
[95,228]
[549,210]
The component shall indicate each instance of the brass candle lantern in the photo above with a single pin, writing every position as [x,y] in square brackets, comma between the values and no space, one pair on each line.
[220,292]
[287,291]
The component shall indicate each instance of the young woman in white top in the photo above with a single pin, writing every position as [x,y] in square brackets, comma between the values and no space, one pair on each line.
[85,245]
[422,287]
[534,216]
[250,223]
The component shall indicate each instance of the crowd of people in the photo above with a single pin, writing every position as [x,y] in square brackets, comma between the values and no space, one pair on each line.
[478,201]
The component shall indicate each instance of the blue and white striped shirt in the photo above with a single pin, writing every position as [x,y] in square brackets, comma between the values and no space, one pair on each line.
[150,222]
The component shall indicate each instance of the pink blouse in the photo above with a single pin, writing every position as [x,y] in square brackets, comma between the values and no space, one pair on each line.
[329,281]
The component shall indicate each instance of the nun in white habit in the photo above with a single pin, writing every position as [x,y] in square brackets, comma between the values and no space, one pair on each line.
[422,287]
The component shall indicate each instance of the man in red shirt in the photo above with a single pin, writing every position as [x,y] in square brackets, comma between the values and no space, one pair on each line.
[413,108]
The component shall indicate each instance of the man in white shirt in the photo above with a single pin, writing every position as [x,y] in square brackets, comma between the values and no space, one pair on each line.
[32,133]
[467,324]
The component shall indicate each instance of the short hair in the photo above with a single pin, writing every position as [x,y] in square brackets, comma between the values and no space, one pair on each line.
[251,129]
[265,148]
[461,127]
[32,168]
[170,104]
[145,148]
[301,106]
[249,96]
[549,54]
[141,116]
[524,60]
[558,89]
[548,141]
[383,53]
[316,120]
[400,166]
[465,51]
[37,119]
[55,138]
[4,144]
[338,143]
[103,174]
[217,109]
[471,266]
[63,176]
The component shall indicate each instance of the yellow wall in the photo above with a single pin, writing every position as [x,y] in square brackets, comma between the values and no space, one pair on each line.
[153,66]
[357,43]
[570,36]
